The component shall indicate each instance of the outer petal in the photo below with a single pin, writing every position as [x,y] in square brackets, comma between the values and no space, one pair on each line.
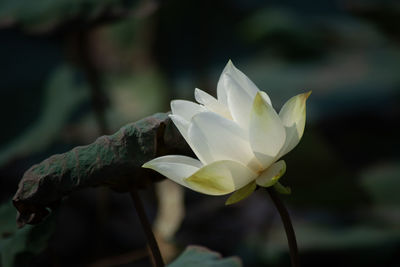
[242,193]
[211,103]
[267,134]
[271,175]
[244,82]
[176,168]
[222,94]
[182,125]
[216,138]
[286,190]
[186,109]
[239,102]
[293,116]
[220,178]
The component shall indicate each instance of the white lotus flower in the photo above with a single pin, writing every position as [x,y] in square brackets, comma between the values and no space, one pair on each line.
[238,138]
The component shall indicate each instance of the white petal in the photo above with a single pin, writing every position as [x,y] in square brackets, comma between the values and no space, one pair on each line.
[271,175]
[186,109]
[222,94]
[239,102]
[217,138]
[176,168]
[220,178]
[293,116]
[267,134]
[211,103]
[182,125]
[244,82]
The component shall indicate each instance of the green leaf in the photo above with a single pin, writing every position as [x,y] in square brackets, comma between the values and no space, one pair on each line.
[30,240]
[7,225]
[114,161]
[362,244]
[242,193]
[45,15]
[282,189]
[62,97]
[196,256]
[382,182]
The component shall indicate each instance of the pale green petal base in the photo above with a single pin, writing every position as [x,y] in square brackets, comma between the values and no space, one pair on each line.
[271,175]
[220,178]
[293,116]
[242,193]
[266,133]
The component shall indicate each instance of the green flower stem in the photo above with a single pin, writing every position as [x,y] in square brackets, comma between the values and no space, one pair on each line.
[151,240]
[287,223]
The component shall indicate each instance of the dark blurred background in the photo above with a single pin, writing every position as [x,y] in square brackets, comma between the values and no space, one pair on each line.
[73,70]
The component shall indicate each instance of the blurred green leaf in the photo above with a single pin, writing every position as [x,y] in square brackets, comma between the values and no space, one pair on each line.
[114,161]
[45,15]
[312,160]
[268,21]
[28,241]
[322,239]
[196,256]
[382,182]
[285,32]
[7,225]
[135,95]
[62,96]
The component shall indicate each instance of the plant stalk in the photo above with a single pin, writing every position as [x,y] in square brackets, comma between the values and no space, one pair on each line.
[287,223]
[151,240]
[93,76]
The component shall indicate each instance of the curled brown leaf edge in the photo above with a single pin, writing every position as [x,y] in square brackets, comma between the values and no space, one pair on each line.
[112,160]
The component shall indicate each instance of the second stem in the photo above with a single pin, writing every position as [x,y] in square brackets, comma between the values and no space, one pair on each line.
[287,223]
[151,240]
